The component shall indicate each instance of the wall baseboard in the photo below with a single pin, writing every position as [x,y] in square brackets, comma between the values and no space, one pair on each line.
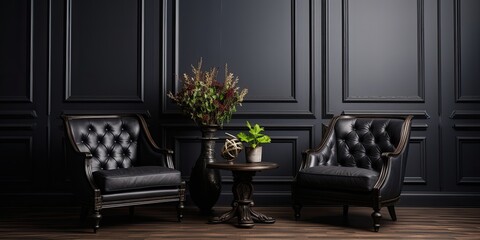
[277,199]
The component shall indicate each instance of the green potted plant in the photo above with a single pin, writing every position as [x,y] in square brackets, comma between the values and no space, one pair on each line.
[254,138]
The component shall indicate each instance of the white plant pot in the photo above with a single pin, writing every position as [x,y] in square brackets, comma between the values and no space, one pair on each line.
[253,155]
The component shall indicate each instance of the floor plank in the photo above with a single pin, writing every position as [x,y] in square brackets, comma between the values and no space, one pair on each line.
[159,222]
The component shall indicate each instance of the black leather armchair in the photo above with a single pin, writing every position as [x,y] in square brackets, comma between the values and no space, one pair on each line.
[361,161]
[116,163]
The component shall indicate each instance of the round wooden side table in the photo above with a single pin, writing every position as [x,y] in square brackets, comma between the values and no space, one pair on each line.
[242,192]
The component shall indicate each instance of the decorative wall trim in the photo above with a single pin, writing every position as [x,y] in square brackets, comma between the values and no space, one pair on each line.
[422,179]
[465,114]
[269,198]
[21,114]
[290,99]
[461,179]
[144,113]
[440,199]
[459,97]
[417,114]
[140,68]
[420,127]
[326,112]
[420,58]
[28,98]
[293,82]
[28,141]
[17,126]
[466,127]
[415,127]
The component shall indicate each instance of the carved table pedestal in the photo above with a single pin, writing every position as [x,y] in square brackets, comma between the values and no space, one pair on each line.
[242,192]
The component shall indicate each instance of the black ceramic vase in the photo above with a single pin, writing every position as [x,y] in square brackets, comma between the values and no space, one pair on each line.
[205,183]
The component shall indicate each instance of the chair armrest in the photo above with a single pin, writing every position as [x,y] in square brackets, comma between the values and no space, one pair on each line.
[82,171]
[325,153]
[404,138]
[390,181]
[152,148]
[391,177]
[163,153]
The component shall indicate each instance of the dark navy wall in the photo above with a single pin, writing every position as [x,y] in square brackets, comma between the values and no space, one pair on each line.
[303,62]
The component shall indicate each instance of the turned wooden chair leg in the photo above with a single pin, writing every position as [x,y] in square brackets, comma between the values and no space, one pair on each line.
[180,208]
[376,216]
[391,210]
[96,218]
[297,208]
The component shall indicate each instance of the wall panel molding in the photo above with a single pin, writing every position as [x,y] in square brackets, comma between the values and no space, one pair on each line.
[17,126]
[422,178]
[293,80]
[28,97]
[144,113]
[459,96]
[466,127]
[465,114]
[24,173]
[20,114]
[461,178]
[294,107]
[140,81]
[420,97]
[417,114]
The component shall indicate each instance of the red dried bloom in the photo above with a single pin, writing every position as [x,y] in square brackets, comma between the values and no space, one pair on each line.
[206,100]
[229,93]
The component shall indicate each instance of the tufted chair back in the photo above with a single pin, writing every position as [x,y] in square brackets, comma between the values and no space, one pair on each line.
[111,141]
[358,142]
[361,141]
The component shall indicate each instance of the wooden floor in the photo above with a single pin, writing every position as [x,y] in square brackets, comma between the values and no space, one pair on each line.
[158,222]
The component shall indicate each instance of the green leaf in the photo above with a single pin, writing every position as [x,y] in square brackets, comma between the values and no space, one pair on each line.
[254,137]
[248,125]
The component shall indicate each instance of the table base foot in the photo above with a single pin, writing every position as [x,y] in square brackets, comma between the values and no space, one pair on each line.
[246,217]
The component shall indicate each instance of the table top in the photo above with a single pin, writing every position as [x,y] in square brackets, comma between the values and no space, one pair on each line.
[242,166]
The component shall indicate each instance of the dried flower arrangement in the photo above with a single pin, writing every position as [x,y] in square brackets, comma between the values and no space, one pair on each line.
[206,100]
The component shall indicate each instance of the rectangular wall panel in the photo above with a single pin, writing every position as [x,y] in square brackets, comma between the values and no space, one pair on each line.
[265,43]
[16,48]
[416,172]
[104,50]
[383,50]
[468,160]
[16,160]
[260,47]
[468,51]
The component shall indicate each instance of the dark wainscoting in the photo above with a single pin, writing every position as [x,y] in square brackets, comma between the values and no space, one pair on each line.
[303,61]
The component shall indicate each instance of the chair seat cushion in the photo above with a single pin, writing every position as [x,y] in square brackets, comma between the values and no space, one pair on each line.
[135,178]
[337,178]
